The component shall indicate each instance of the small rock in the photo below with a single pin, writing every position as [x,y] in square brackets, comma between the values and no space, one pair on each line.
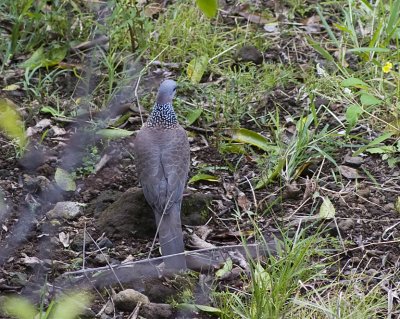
[105,242]
[249,53]
[102,259]
[364,192]
[66,210]
[353,160]
[18,279]
[349,172]
[156,311]
[77,242]
[346,224]
[127,300]
[109,308]
[87,314]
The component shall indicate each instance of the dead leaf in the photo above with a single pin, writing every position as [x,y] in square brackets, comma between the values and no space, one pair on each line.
[229,189]
[251,17]
[39,127]
[152,9]
[311,187]
[312,24]
[327,210]
[203,231]
[30,260]
[103,161]
[243,202]
[349,172]
[58,131]
[64,239]
[271,27]
[239,260]
[198,243]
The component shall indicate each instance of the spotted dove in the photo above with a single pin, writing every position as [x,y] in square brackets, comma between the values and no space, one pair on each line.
[162,153]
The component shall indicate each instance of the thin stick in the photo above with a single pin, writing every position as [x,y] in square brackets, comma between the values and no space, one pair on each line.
[137,97]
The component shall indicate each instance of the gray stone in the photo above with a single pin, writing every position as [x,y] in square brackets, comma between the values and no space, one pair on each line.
[101,259]
[105,242]
[127,300]
[65,210]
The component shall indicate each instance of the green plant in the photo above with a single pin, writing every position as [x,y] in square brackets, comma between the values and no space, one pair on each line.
[67,307]
[273,284]
[12,126]
[34,26]
[129,27]
[89,162]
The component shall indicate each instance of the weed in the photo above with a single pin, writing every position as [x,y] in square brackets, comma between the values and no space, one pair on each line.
[89,162]
[273,284]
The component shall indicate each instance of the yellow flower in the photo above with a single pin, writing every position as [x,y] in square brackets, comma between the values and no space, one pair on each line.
[387,67]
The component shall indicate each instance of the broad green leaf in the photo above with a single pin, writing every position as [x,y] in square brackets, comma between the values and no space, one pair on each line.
[20,308]
[250,137]
[228,265]
[327,209]
[384,149]
[393,161]
[71,306]
[352,114]
[262,277]
[196,308]
[114,133]
[203,177]
[193,115]
[42,58]
[354,82]
[11,123]
[209,7]
[380,50]
[52,111]
[36,59]
[11,87]
[367,100]
[374,142]
[65,180]
[196,68]
[208,309]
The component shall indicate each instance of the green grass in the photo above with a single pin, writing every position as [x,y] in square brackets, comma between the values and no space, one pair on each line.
[296,284]
[272,285]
